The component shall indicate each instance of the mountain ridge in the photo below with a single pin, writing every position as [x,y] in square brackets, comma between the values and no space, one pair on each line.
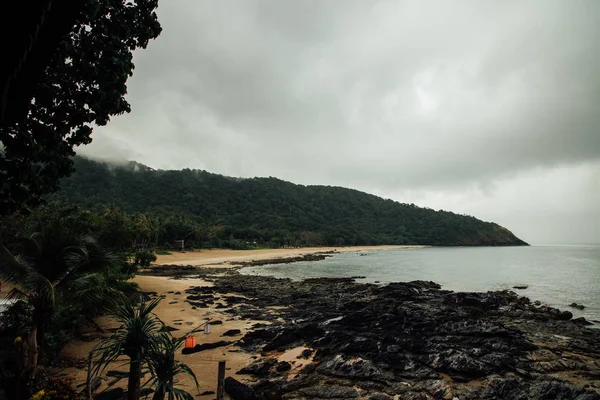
[270,208]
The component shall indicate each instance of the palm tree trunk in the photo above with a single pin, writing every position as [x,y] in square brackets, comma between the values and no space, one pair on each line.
[159,394]
[133,386]
[26,361]
[41,341]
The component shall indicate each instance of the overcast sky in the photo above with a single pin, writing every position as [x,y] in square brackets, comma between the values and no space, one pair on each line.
[489,108]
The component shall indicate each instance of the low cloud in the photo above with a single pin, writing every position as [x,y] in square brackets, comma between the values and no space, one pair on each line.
[384,96]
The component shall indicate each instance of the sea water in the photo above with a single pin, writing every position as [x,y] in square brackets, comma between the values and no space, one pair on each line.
[555,275]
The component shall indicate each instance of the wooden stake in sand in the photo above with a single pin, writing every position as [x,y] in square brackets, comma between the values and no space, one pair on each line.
[220,379]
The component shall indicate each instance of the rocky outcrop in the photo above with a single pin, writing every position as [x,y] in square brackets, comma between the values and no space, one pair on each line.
[287,260]
[412,340]
[238,390]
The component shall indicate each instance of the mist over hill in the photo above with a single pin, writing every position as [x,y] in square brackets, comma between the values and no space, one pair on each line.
[269,210]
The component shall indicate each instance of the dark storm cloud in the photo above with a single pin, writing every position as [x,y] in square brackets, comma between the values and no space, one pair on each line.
[385,96]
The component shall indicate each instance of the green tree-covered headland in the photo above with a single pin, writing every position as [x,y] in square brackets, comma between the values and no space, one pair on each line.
[210,210]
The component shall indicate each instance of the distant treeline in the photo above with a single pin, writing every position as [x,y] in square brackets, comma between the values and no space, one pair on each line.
[210,210]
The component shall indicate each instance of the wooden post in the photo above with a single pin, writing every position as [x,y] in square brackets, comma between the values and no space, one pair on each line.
[88,382]
[220,379]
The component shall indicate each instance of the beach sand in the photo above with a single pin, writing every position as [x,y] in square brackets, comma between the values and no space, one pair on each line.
[176,313]
[225,257]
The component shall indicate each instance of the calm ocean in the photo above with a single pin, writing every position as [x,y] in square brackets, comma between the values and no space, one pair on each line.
[555,275]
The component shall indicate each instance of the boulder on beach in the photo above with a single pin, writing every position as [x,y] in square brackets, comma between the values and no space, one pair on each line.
[238,390]
[205,346]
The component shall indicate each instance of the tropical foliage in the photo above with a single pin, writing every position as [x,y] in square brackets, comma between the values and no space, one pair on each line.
[50,264]
[60,278]
[56,388]
[142,338]
[139,326]
[164,369]
[213,210]
[83,86]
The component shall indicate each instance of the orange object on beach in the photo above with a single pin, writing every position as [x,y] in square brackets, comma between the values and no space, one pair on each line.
[190,342]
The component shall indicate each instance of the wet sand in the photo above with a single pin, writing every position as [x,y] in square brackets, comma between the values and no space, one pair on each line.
[225,257]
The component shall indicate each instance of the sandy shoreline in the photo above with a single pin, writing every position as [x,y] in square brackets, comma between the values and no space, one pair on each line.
[177,313]
[227,257]
[295,313]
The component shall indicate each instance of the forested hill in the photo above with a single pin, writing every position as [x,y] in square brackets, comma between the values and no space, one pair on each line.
[269,210]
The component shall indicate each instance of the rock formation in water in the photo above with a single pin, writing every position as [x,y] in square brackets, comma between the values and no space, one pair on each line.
[411,339]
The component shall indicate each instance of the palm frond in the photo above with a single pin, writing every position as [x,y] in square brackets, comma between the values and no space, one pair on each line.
[93,257]
[185,369]
[92,289]
[33,244]
[14,269]
[40,287]
[16,294]
[134,338]
[163,366]
[106,352]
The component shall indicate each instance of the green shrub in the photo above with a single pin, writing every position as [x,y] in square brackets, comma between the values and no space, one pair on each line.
[144,259]
[56,388]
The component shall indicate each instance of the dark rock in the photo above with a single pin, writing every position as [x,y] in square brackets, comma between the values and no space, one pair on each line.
[578,306]
[425,285]
[455,361]
[232,332]
[521,287]
[117,374]
[565,315]
[216,322]
[514,388]
[234,299]
[380,396]
[111,394]
[397,339]
[350,367]
[205,346]
[283,366]
[173,302]
[238,390]
[582,321]
[293,335]
[287,260]
[259,367]
[329,392]
[306,353]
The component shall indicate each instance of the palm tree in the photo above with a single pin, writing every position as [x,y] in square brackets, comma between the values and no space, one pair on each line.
[134,339]
[164,368]
[48,265]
